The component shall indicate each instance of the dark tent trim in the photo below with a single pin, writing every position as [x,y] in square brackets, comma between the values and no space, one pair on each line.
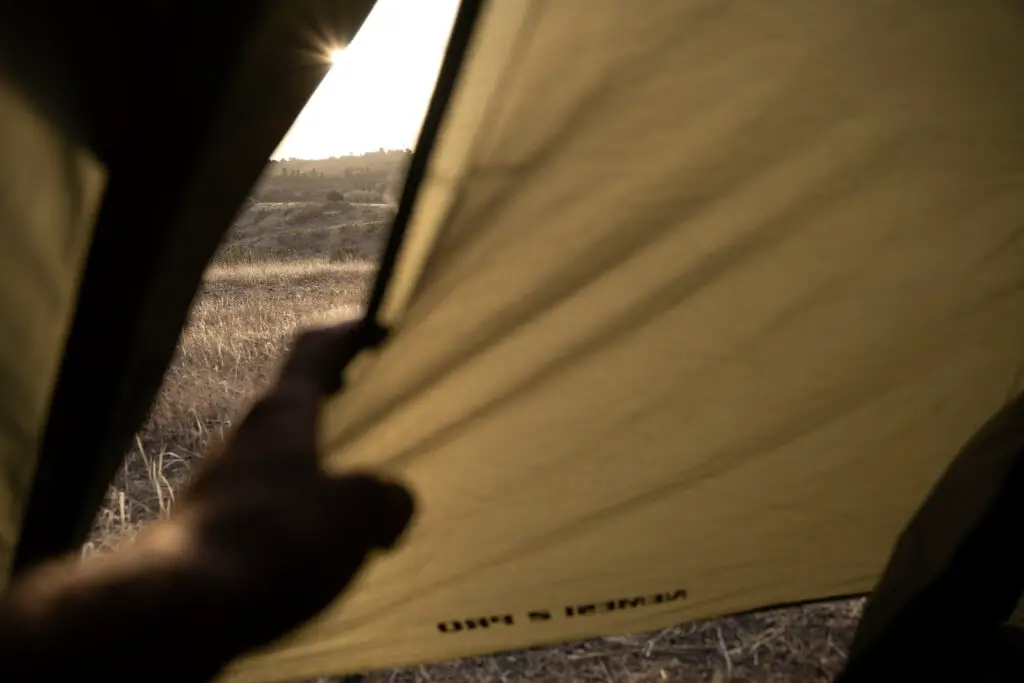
[959,609]
[447,79]
[208,70]
[460,39]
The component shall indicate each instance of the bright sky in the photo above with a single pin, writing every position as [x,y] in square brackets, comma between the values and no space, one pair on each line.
[378,90]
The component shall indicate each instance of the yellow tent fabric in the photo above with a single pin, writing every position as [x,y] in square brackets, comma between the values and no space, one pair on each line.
[698,301]
[50,190]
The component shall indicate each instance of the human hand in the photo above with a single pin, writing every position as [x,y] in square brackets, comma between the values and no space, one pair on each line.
[277,537]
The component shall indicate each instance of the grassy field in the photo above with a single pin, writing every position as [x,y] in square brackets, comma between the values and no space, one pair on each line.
[285,265]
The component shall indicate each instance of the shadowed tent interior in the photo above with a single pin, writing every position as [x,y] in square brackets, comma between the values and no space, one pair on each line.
[697,308]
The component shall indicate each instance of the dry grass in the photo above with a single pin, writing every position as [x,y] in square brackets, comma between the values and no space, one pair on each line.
[284,267]
[240,325]
[299,230]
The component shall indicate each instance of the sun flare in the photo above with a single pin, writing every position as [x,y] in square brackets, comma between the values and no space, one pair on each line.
[376,91]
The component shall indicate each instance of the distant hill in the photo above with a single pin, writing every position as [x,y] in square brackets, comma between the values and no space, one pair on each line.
[381,159]
[375,176]
[305,231]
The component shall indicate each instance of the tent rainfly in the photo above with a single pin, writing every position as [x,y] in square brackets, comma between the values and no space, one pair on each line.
[697,308]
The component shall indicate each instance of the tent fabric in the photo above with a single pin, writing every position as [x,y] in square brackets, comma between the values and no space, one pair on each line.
[50,189]
[696,303]
[692,305]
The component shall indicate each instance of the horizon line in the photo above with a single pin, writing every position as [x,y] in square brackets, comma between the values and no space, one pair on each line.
[343,156]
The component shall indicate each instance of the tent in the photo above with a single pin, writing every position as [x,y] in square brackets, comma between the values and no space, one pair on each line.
[697,308]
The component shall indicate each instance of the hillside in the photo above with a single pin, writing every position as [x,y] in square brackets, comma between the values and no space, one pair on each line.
[373,177]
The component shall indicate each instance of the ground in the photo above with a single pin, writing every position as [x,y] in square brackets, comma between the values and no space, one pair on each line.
[286,264]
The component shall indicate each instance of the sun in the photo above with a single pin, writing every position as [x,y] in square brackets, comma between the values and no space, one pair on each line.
[336,55]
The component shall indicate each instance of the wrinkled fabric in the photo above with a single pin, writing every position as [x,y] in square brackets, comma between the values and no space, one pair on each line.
[697,303]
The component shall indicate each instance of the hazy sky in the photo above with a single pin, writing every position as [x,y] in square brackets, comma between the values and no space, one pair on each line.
[377,93]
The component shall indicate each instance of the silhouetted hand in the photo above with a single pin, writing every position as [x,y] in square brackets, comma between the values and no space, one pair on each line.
[279,537]
[261,541]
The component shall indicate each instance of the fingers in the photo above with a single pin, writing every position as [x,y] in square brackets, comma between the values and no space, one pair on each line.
[320,355]
[382,509]
[282,425]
